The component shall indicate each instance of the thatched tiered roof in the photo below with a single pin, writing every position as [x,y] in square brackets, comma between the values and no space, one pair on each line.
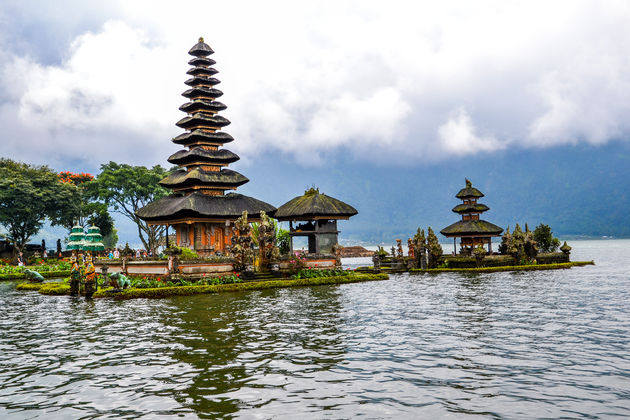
[314,205]
[201,182]
[471,225]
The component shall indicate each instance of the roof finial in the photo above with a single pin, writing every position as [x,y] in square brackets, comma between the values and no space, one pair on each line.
[200,39]
[468,183]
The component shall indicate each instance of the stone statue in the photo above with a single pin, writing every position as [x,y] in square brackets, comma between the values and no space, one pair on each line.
[376,261]
[118,281]
[242,243]
[566,249]
[266,239]
[90,276]
[399,249]
[33,276]
[75,276]
[336,249]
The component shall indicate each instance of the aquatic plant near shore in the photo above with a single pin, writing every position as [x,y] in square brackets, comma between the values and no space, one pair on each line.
[225,288]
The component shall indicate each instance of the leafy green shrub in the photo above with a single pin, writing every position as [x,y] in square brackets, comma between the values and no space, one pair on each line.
[544,238]
[159,282]
[188,254]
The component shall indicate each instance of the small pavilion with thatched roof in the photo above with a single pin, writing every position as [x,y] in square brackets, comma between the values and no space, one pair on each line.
[471,230]
[318,214]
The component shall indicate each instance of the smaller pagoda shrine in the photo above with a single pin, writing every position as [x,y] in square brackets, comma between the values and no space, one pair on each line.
[318,214]
[93,240]
[77,238]
[471,230]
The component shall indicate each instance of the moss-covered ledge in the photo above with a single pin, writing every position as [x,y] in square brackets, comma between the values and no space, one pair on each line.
[45,274]
[533,267]
[55,289]
[161,292]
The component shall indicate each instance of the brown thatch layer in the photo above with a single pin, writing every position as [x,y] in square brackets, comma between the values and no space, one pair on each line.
[197,205]
[197,154]
[469,227]
[202,61]
[313,204]
[197,177]
[201,105]
[204,120]
[201,49]
[469,192]
[470,208]
[199,136]
[202,80]
[200,92]
[202,71]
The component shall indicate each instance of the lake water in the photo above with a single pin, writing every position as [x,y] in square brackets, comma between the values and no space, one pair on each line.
[502,345]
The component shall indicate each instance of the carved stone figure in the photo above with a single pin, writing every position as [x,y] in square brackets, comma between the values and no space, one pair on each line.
[376,262]
[399,249]
[33,276]
[90,276]
[75,276]
[118,281]
[242,243]
[266,239]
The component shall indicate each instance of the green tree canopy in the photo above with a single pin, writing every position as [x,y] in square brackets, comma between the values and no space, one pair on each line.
[87,211]
[544,238]
[28,196]
[126,189]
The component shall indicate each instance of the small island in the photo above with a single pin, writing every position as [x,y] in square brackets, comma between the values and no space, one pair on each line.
[519,250]
[225,242]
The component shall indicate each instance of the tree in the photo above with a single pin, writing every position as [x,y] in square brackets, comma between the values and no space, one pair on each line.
[506,242]
[434,248]
[544,238]
[28,196]
[105,222]
[87,211]
[521,245]
[420,246]
[126,189]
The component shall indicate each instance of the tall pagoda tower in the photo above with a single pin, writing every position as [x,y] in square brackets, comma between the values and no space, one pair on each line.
[471,229]
[199,208]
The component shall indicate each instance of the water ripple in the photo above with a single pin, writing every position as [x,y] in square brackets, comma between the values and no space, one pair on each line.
[501,345]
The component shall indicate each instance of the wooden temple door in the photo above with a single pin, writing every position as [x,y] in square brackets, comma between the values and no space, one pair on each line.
[218,240]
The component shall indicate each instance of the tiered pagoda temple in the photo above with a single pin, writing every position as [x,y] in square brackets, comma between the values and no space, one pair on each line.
[199,208]
[319,214]
[471,229]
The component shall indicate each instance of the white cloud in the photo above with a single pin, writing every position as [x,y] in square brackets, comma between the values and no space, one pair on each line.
[459,136]
[420,81]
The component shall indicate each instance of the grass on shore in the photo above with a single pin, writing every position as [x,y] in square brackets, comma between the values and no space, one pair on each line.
[235,287]
[46,288]
[533,267]
[64,288]
[45,274]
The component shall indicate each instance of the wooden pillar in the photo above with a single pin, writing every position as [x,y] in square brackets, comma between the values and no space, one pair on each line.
[167,236]
[290,237]
[454,246]
[490,246]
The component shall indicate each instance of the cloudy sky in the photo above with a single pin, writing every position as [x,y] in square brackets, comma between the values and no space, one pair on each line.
[85,82]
